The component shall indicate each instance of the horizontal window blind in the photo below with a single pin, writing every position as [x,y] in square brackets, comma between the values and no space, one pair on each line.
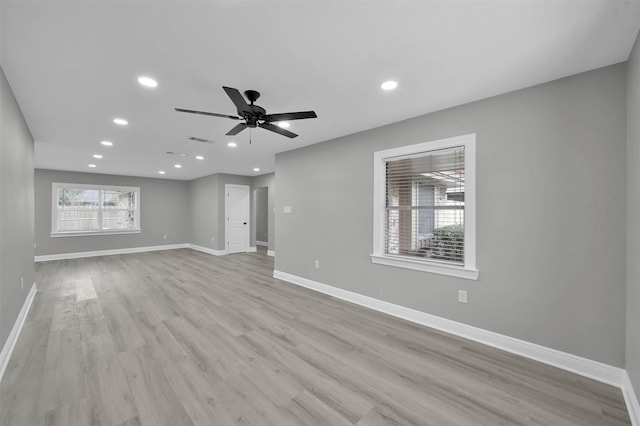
[425,205]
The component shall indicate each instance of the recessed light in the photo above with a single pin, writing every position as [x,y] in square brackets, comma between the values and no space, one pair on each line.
[97,156]
[177,166]
[199,157]
[232,144]
[389,85]
[147,81]
[120,121]
[255,169]
[92,165]
[106,143]
[283,124]
[161,172]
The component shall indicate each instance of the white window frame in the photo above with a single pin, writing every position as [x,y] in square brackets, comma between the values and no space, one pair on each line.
[54,210]
[468,270]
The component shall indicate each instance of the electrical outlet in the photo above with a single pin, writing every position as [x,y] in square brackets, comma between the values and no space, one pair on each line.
[213,240]
[317,264]
[462,296]
[164,237]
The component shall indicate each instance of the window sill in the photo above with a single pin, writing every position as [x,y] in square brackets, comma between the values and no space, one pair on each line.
[419,265]
[92,233]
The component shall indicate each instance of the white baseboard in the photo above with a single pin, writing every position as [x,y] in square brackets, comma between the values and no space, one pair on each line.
[207,250]
[217,252]
[271,253]
[262,243]
[585,367]
[82,254]
[631,399]
[10,344]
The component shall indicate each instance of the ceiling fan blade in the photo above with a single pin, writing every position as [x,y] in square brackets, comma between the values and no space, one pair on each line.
[240,127]
[287,116]
[237,99]
[190,111]
[276,129]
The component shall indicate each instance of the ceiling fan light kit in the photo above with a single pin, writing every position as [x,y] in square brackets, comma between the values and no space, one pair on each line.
[254,115]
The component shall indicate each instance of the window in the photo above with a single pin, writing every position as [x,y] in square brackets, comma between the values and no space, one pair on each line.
[94,210]
[424,207]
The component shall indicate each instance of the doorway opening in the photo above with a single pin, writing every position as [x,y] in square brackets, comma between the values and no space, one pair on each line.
[262,217]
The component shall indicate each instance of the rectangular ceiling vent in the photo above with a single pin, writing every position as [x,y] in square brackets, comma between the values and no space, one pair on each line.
[193,138]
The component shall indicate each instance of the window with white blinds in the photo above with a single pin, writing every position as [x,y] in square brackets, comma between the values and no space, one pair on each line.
[425,205]
[423,219]
[94,209]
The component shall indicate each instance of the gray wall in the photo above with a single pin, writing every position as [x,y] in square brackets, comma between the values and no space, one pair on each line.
[16,209]
[203,194]
[269,181]
[550,215]
[187,212]
[262,214]
[164,208]
[633,218]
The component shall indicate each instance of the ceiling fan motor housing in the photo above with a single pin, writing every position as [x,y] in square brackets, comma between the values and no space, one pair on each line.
[257,113]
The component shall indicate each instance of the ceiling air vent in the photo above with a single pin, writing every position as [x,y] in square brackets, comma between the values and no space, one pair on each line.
[193,138]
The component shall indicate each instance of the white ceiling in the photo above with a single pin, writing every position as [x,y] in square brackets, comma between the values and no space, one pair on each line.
[73,67]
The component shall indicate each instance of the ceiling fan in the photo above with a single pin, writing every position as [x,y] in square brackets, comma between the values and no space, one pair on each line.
[254,115]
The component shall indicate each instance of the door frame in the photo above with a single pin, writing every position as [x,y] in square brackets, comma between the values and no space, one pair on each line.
[227,187]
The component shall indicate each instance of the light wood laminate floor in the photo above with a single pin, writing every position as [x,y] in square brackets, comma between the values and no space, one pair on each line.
[180,337]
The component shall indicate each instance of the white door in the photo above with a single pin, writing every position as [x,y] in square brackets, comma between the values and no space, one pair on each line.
[237,210]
